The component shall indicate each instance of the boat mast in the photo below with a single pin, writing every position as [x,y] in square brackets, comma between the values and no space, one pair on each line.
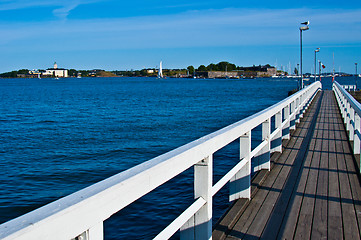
[160,72]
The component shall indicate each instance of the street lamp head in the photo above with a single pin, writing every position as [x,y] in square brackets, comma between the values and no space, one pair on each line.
[304,28]
[317,50]
[306,23]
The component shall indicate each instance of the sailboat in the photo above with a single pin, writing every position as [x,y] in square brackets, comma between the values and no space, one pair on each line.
[160,71]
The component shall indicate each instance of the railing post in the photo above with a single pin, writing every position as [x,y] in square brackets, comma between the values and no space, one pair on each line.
[200,225]
[356,141]
[352,124]
[342,106]
[288,126]
[203,188]
[347,119]
[240,184]
[302,98]
[344,109]
[263,157]
[278,138]
[292,122]
[297,116]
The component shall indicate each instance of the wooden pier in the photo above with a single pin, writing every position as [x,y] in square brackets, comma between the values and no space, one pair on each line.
[313,190]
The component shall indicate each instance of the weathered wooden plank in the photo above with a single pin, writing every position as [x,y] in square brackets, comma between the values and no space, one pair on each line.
[282,198]
[248,215]
[319,226]
[303,229]
[286,197]
[289,223]
[335,229]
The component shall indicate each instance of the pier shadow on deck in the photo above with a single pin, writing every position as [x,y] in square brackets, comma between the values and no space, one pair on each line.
[313,190]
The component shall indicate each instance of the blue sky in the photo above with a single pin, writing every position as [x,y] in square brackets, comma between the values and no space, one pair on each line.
[119,35]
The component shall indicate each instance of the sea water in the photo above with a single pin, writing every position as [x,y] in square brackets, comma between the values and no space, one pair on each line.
[59,136]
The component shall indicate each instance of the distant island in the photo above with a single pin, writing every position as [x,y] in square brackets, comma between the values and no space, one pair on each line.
[219,70]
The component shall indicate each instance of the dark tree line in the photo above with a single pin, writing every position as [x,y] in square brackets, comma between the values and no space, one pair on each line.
[225,66]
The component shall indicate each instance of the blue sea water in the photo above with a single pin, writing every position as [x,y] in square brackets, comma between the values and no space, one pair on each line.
[59,136]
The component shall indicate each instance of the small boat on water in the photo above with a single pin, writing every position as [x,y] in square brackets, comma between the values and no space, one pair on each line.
[160,71]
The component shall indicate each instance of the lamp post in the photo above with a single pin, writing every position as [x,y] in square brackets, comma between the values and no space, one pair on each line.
[356,75]
[303,28]
[316,51]
[356,68]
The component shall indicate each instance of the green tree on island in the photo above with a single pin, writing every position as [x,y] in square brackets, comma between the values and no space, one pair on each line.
[202,68]
[190,70]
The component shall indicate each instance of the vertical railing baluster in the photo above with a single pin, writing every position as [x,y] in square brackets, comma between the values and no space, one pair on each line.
[287,127]
[347,119]
[200,225]
[352,124]
[240,184]
[278,137]
[344,104]
[297,115]
[203,188]
[292,122]
[302,98]
[356,141]
[264,156]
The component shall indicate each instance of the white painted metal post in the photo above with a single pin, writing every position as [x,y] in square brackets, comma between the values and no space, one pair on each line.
[298,111]
[278,137]
[308,100]
[203,188]
[264,156]
[356,142]
[345,109]
[240,184]
[347,119]
[352,124]
[292,123]
[302,98]
[287,127]
[200,225]
[343,106]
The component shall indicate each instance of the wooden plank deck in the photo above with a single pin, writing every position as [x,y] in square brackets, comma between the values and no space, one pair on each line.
[313,190]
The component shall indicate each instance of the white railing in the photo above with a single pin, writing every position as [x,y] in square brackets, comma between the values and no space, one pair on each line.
[351,112]
[349,87]
[81,214]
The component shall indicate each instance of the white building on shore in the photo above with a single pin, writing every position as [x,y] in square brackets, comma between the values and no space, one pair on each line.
[56,72]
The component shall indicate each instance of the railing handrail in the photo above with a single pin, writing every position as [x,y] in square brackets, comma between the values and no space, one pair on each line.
[350,110]
[118,191]
[354,103]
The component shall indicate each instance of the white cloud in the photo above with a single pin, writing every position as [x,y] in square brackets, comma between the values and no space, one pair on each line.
[62,7]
